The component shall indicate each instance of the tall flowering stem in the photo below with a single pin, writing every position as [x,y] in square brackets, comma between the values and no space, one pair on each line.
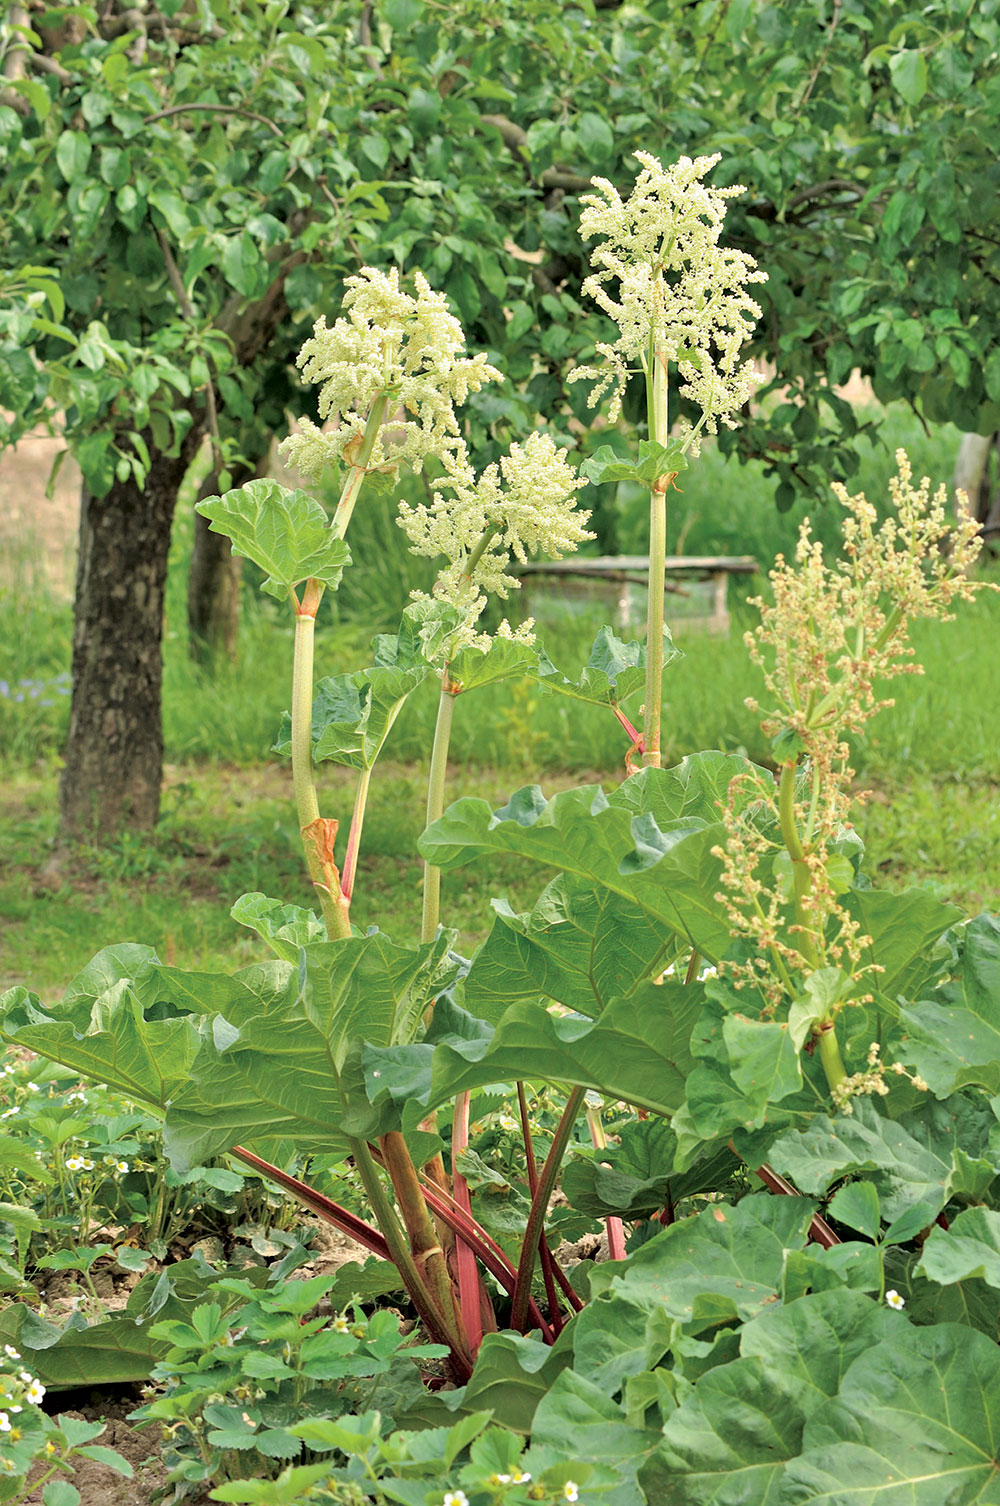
[437,776]
[678,298]
[829,639]
[318,833]
[391,371]
[436,782]
[659,429]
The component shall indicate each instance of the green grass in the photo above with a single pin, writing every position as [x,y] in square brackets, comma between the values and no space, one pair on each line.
[226,831]
[228,823]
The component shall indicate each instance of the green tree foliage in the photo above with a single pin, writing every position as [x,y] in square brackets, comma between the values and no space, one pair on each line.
[224,148]
[181,191]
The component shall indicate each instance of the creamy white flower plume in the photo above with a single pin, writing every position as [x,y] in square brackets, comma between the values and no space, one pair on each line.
[678,291]
[522,504]
[386,342]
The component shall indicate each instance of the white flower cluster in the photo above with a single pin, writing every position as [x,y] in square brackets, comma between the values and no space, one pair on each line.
[386,342]
[680,294]
[15,1390]
[522,504]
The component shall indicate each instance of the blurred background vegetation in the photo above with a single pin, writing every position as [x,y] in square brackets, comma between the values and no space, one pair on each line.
[228,822]
[459,138]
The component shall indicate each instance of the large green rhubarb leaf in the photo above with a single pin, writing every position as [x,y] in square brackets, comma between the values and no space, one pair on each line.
[904,929]
[578,946]
[638,1176]
[727,1263]
[286,533]
[918,1163]
[748,1074]
[289,1069]
[505,659]
[124,1021]
[285,928]
[953,1038]
[612,673]
[916,1423]
[730,1441]
[576,1407]
[354,714]
[662,863]
[969,1248]
[694,789]
[637,1051]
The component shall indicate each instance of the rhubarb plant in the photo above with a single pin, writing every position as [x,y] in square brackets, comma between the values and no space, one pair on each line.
[708,980]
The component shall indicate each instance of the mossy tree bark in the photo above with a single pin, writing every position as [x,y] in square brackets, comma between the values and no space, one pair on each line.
[114,752]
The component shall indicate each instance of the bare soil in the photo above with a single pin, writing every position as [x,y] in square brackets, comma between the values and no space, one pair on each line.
[35,529]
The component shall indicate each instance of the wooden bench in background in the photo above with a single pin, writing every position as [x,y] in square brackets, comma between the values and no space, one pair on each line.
[618,581]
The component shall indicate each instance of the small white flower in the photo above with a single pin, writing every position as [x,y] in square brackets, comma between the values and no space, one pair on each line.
[455,1498]
[26,1376]
[33,1087]
[9,1113]
[77,1097]
[520,1476]
[11,1352]
[87,1164]
[74,1163]
[571,1491]
[8,1069]
[35,1392]
[121,1166]
[341,1325]
[893,1299]
[4,1423]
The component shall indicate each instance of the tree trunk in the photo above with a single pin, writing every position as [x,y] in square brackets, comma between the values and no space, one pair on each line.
[214,578]
[114,753]
[974,474]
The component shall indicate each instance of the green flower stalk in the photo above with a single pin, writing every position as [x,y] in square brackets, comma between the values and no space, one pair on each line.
[679,300]
[831,636]
[523,503]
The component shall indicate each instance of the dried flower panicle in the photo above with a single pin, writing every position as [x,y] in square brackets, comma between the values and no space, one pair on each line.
[387,341]
[871,1082]
[525,502]
[833,633]
[678,291]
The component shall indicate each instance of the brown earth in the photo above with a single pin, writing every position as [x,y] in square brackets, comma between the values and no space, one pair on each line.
[38,532]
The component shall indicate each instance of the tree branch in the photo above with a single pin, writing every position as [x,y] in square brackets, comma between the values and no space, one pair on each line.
[515,137]
[365,38]
[177,283]
[820,190]
[217,110]
[46,64]
[837,7]
[15,62]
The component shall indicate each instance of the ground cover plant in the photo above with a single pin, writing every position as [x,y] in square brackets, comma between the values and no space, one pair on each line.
[777,1084]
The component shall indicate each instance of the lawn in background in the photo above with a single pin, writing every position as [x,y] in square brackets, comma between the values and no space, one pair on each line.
[228,823]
